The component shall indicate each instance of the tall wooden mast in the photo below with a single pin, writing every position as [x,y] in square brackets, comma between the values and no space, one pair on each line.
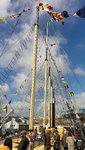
[31,119]
[45,80]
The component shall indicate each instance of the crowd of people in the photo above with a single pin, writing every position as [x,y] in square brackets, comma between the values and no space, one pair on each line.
[71,141]
[50,138]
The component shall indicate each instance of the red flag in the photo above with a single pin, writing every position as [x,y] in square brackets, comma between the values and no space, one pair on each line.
[10,101]
[49,8]
[15,93]
[40,4]
[62,78]
[66,87]
[53,44]
[13,16]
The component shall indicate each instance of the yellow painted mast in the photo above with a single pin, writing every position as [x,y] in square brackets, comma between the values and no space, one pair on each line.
[31,119]
[45,80]
[49,85]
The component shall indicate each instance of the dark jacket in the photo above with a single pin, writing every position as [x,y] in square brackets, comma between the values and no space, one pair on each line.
[64,140]
[23,144]
[47,142]
[56,142]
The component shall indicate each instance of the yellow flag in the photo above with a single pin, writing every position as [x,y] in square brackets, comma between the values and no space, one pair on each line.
[3,19]
[44,6]
[34,99]
[70,93]
[4,109]
[54,74]
[64,82]
[56,85]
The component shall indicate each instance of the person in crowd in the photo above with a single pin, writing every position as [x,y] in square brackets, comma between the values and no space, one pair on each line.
[75,137]
[64,136]
[35,132]
[43,133]
[79,143]
[70,141]
[24,141]
[47,139]
[7,144]
[32,139]
[53,130]
[56,140]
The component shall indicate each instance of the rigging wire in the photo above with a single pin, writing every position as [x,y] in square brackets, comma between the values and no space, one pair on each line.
[13,28]
[44,38]
[15,42]
[10,36]
[78,81]
[9,68]
[69,107]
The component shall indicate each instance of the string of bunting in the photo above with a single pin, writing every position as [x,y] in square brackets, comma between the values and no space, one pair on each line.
[62,78]
[62,15]
[14,16]
[55,16]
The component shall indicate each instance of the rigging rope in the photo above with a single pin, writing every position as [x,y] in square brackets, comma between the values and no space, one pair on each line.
[9,39]
[9,68]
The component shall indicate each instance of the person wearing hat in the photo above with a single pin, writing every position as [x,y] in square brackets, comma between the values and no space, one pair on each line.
[24,141]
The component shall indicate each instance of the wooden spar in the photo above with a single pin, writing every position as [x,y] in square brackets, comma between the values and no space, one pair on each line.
[31,119]
[49,99]
[45,87]
[53,110]
[52,107]
[49,86]
[45,81]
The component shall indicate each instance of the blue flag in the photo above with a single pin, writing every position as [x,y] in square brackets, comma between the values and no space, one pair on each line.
[65,14]
[81,12]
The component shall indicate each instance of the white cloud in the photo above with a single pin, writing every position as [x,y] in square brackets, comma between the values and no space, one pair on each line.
[5,88]
[80,99]
[80,71]
[17,80]
[4,5]
[20,108]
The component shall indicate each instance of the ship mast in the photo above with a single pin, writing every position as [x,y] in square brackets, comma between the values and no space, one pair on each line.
[49,85]
[31,119]
[45,77]
[49,98]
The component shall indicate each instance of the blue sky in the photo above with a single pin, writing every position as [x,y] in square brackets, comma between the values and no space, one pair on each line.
[69,39]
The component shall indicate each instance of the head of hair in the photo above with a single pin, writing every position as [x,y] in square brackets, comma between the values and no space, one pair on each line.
[8,142]
[47,132]
[69,134]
